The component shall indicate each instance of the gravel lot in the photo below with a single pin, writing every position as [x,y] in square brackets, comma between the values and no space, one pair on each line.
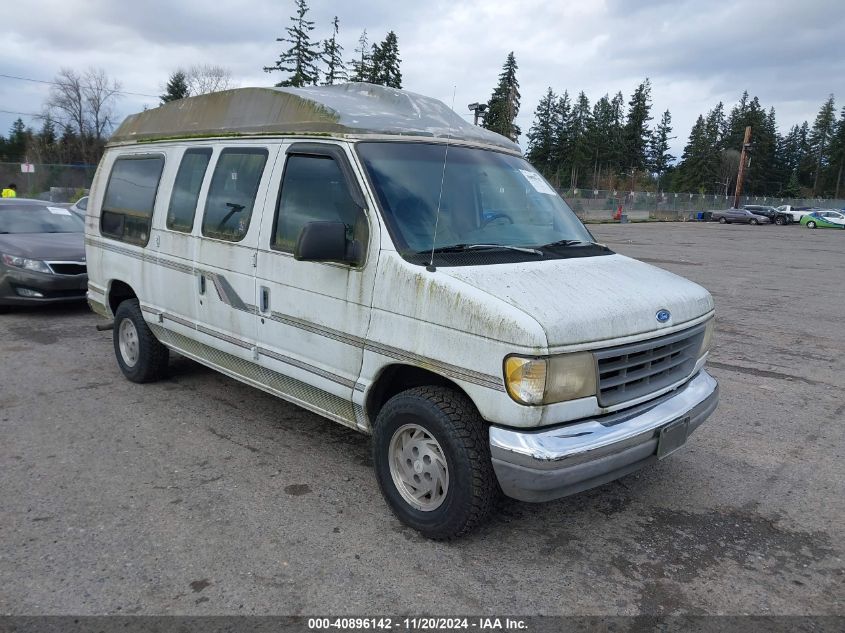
[199,495]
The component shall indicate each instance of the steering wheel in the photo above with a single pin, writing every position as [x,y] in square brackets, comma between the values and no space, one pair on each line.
[496,216]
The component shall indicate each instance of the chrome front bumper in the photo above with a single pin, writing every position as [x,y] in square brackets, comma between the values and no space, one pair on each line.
[551,463]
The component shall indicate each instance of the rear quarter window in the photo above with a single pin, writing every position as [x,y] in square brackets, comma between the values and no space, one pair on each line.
[130,198]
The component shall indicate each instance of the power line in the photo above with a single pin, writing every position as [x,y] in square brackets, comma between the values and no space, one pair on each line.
[56,83]
[32,114]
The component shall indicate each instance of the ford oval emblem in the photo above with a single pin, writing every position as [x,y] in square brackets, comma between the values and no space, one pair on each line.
[663,315]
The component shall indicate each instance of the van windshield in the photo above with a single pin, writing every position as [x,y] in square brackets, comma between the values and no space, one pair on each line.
[492,205]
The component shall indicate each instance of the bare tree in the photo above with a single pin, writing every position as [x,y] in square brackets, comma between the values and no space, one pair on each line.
[205,78]
[100,93]
[66,101]
[728,166]
[84,105]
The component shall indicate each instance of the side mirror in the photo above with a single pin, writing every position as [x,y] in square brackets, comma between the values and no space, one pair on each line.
[326,242]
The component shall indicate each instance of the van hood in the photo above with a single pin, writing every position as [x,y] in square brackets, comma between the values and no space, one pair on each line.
[591,299]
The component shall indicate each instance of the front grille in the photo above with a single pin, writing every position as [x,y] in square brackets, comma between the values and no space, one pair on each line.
[632,371]
[67,268]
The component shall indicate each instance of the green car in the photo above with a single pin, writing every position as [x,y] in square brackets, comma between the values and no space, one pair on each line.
[824,220]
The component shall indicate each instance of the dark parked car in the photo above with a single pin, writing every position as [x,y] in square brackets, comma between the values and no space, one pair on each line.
[42,253]
[775,215]
[743,216]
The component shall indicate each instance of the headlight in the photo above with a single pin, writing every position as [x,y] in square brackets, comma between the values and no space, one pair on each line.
[707,339]
[550,379]
[27,264]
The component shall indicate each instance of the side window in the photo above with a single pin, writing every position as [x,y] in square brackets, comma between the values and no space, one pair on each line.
[314,190]
[231,196]
[186,189]
[130,198]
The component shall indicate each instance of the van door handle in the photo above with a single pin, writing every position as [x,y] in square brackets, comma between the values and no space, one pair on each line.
[265,300]
[202,284]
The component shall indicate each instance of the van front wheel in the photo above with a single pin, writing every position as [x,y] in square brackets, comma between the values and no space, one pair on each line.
[141,357]
[432,462]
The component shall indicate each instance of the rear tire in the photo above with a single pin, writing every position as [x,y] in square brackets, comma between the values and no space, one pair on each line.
[780,221]
[754,222]
[141,357]
[432,460]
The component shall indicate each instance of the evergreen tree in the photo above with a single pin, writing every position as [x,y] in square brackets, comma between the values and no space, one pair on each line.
[716,164]
[659,157]
[602,140]
[759,177]
[580,123]
[562,146]
[786,157]
[806,161]
[362,63]
[69,147]
[837,154]
[766,155]
[822,131]
[792,188]
[48,131]
[636,127]
[16,145]
[736,123]
[177,87]
[384,66]
[503,106]
[617,156]
[541,135]
[693,172]
[335,71]
[299,58]
[44,144]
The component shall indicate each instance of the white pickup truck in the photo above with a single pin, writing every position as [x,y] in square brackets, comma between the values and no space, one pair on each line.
[796,213]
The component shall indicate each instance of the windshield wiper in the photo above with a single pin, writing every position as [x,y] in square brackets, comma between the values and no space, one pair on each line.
[461,248]
[521,249]
[572,243]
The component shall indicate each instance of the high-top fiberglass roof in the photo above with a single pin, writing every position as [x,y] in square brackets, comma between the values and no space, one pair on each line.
[351,109]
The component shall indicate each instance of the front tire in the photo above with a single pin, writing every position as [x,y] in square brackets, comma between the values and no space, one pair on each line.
[141,357]
[722,221]
[432,461]
[754,222]
[780,221]
[811,225]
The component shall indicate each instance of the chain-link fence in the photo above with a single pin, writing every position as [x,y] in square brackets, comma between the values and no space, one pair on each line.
[64,183]
[597,205]
[56,183]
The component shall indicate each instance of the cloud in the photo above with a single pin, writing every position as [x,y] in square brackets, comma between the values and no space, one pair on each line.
[695,53]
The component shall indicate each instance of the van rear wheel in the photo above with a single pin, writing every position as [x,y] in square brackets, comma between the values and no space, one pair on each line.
[432,461]
[141,357]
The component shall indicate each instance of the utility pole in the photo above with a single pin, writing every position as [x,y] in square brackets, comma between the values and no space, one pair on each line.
[746,147]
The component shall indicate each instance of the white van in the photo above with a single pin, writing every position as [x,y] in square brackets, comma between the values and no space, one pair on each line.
[366,254]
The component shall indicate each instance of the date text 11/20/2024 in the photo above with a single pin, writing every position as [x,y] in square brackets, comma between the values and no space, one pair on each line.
[417,624]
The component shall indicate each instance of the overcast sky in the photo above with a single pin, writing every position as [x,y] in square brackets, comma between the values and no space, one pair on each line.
[696,53]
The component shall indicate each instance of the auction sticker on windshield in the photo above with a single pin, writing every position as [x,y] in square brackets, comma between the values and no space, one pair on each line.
[537,182]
